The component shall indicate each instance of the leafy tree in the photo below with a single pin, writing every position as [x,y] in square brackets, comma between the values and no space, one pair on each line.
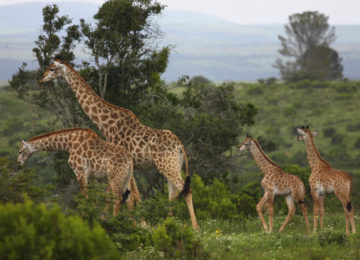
[59,100]
[308,37]
[123,45]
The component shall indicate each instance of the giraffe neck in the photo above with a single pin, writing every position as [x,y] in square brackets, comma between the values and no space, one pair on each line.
[55,141]
[106,116]
[313,154]
[261,159]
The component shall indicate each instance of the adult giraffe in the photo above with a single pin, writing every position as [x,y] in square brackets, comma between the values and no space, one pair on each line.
[325,179]
[149,147]
[88,155]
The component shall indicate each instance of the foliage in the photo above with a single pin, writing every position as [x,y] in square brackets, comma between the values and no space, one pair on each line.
[177,241]
[308,36]
[30,231]
[123,44]
[56,98]
[15,182]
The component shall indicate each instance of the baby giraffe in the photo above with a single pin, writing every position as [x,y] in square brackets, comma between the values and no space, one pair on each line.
[325,179]
[276,182]
[89,155]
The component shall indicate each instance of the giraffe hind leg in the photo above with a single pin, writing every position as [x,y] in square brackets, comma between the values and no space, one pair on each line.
[291,211]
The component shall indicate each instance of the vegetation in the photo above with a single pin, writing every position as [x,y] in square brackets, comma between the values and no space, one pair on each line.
[308,37]
[55,220]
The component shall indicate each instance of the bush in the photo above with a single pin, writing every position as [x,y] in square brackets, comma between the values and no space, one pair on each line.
[30,231]
[15,181]
[177,241]
[357,143]
[329,132]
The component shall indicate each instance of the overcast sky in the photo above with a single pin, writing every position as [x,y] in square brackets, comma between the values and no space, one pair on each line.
[256,11]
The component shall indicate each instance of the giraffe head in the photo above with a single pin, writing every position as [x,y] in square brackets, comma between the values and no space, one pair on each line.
[54,71]
[26,150]
[305,132]
[246,144]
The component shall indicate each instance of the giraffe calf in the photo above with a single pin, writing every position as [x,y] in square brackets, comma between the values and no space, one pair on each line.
[276,182]
[89,155]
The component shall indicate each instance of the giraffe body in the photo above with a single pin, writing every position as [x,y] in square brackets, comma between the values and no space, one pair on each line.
[325,179]
[89,155]
[276,182]
[150,148]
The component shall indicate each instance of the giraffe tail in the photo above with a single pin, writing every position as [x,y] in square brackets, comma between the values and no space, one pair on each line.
[186,188]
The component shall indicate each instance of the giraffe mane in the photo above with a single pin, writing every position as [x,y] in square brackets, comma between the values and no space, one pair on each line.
[316,149]
[59,132]
[262,151]
[130,113]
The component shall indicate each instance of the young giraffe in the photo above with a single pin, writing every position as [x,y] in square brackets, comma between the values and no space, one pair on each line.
[89,155]
[276,182]
[324,179]
[149,147]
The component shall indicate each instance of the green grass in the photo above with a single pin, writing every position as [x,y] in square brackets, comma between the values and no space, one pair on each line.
[246,240]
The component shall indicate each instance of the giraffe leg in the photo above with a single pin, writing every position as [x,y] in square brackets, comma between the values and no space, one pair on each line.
[271,212]
[304,211]
[291,212]
[259,208]
[348,210]
[315,209]
[321,211]
[168,164]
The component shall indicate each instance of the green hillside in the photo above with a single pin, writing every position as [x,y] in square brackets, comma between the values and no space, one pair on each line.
[332,109]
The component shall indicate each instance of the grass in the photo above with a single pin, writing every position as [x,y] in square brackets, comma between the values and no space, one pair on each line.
[246,240]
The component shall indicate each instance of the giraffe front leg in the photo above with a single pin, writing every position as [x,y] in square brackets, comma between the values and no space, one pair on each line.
[321,211]
[259,208]
[271,212]
[315,209]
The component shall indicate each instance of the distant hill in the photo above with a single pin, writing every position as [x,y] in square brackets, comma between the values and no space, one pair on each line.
[204,44]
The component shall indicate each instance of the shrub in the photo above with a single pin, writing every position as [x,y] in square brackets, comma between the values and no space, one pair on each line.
[30,231]
[177,241]
[329,132]
[357,143]
[15,181]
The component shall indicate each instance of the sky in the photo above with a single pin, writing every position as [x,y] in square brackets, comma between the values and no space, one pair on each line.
[255,11]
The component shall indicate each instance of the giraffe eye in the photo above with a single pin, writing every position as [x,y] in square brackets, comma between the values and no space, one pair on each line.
[52,70]
[20,152]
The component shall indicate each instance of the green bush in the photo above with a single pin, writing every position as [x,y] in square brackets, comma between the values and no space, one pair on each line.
[30,231]
[15,181]
[177,241]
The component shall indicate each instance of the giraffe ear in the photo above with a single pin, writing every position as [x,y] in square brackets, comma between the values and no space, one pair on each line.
[300,131]
[314,133]
[58,64]
[25,144]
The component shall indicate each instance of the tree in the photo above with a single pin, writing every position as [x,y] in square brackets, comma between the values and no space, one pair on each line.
[59,100]
[308,37]
[123,46]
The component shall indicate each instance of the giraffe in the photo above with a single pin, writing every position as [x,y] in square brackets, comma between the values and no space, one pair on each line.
[89,155]
[325,179]
[150,148]
[276,182]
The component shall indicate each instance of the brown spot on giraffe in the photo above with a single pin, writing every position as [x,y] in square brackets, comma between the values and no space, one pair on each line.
[156,140]
[325,179]
[88,155]
[276,182]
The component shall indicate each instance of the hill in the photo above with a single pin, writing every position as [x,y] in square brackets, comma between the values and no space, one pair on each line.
[203,44]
